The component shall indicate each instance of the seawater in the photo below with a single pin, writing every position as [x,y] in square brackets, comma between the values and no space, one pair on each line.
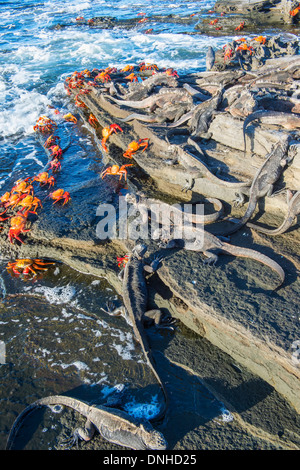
[57,338]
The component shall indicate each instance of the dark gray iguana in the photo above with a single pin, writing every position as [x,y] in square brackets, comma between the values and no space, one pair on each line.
[167,213]
[114,425]
[135,298]
[200,116]
[195,167]
[264,180]
[293,211]
[210,246]
[289,121]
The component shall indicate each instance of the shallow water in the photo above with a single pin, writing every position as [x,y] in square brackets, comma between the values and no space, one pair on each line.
[58,340]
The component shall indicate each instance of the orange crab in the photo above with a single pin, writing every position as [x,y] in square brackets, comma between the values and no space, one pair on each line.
[240,26]
[228,55]
[261,39]
[52,140]
[56,151]
[107,131]
[70,118]
[172,72]
[127,68]
[135,146]
[122,261]
[22,187]
[17,226]
[27,266]
[295,11]
[13,200]
[132,77]
[55,165]
[79,103]
[103,76]
[116,170]
[93,121]
[43,178]
[5,198]
[244,47]
[28,202]
[213,22]
[144,66]
[45,125]
[60,195]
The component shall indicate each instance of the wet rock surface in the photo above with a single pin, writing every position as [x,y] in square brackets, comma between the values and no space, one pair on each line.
[231,307]
[232,304]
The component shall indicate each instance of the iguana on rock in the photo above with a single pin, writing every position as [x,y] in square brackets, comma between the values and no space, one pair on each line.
[210,246]
[114,425]
[293,211]
[196,168]
[135,298]
[200,116]
[162,211]
[264,180]
[160,99]
[289,121]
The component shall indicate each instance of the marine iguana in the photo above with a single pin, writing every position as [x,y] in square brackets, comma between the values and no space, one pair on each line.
[293,211]
[210,58]
[210,245]
[135,298]
[200,116]
[289,121]
[160,99]
[195,168]
[264,180]
[164,209]
[112,424]
[139,91]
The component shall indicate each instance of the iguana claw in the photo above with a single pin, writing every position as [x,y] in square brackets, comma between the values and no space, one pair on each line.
[111,309]
[71,441]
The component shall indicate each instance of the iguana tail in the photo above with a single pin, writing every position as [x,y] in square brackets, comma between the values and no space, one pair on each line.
[76,405]
[276,231]
[253,254]
[239,223]
[140,117]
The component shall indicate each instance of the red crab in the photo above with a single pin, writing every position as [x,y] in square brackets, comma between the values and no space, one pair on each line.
[107,131]
[135,146]
[116,170]
[55,165]
[132,77]
[93,121]
[60,195]
[27,266]
[45,125]
[240,26]
[122,261]
[52,140]
[17,226]
[43,178]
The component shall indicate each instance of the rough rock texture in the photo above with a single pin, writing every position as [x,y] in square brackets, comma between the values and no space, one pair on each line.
[232,304]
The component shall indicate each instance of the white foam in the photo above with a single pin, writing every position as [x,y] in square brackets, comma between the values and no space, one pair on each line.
[57,295]
[143,410]
[22,116]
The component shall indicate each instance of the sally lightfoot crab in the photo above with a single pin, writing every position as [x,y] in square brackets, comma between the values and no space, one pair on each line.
[134,146]
[27,266]
[107,131]
[17,226]
[116,170]
[44,178]
[60,195]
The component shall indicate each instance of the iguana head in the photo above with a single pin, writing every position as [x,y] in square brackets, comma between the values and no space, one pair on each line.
[152,439]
